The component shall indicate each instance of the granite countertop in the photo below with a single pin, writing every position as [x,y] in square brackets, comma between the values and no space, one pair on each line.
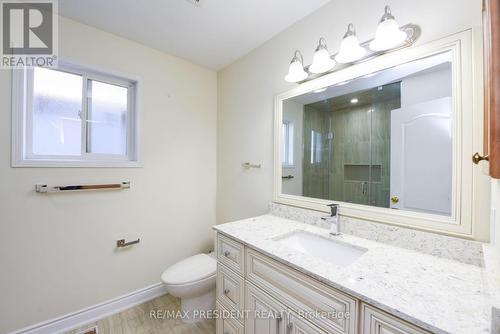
[437,294]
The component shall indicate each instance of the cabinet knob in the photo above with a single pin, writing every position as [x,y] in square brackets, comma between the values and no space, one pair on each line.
[227,253]
[477,158]
[226,291]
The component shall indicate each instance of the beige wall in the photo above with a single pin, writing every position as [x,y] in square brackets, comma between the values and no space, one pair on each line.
[57,252]
[247,87]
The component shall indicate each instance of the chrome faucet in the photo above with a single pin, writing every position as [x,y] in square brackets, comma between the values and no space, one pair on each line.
[333,219]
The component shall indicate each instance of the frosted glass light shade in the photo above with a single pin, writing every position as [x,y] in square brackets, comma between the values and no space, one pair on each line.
[350,50]
[388,34]
[321,59]
[296,70]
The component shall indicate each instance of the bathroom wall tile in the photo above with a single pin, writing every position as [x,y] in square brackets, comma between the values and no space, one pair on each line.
[457,249]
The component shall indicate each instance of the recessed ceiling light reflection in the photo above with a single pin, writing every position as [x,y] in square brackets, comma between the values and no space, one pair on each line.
[354,100]
[343,83]
[320,90]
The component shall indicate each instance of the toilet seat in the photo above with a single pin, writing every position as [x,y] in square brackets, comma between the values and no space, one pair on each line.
[200,282]
[191,270]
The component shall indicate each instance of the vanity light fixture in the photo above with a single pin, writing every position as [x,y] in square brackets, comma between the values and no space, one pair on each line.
[296,71]
[322,62]
[388,34]
[350,50]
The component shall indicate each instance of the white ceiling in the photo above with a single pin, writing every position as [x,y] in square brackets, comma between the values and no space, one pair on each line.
[213,34]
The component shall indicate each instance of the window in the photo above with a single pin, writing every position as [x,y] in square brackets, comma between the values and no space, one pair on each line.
[71,116]
[287,144]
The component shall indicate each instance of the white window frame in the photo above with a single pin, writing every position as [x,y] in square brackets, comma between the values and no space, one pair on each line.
[22,88]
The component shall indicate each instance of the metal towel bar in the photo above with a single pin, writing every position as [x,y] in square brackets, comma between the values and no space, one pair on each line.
[122,243]
[250,165]
[44,188]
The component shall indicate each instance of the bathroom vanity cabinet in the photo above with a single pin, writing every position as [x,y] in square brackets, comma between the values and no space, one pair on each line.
[266,296]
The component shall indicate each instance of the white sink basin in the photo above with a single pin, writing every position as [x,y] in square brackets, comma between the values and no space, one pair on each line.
[335,252]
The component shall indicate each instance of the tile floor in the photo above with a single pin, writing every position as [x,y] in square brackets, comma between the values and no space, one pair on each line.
[137,320]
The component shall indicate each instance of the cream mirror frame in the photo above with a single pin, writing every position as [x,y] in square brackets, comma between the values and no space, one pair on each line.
[467,114]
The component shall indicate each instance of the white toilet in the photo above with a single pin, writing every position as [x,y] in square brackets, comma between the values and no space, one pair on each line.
[193,280]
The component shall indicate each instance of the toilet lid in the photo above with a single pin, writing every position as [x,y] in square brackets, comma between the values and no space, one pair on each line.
[192,269]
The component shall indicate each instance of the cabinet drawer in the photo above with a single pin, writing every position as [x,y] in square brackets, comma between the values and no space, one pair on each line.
[303,294]
[378,322]
[230,253]
[230,289]
[227,325]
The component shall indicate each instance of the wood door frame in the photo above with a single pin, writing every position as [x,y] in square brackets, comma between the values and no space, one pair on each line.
[491,28]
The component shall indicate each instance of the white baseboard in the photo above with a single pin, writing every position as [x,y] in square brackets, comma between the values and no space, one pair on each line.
[94,313]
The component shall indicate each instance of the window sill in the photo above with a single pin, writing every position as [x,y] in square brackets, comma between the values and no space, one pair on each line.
[75,164]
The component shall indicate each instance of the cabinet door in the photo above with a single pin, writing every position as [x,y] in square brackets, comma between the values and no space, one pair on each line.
[265,314]
[296,325]
[227,325]
[377,322]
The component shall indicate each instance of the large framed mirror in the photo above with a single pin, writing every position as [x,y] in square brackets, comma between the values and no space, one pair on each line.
[389,139]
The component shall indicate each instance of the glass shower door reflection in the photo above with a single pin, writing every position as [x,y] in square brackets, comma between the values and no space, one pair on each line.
[315,157]
[346,146]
